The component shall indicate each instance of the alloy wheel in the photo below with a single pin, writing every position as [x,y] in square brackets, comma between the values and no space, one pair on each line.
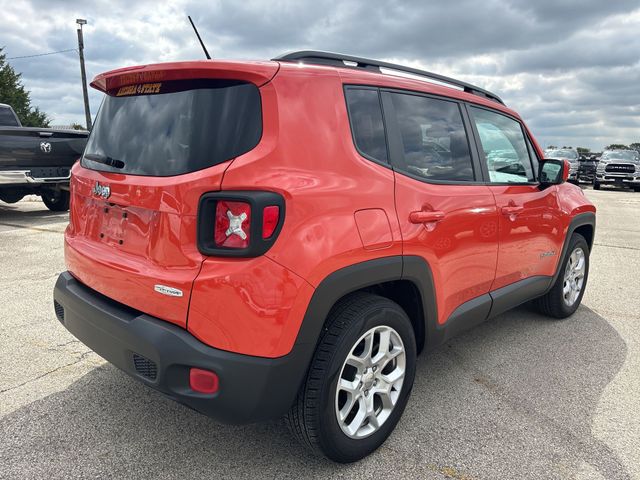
[370,382]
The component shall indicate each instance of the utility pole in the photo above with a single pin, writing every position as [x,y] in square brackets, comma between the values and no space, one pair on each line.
[85,93]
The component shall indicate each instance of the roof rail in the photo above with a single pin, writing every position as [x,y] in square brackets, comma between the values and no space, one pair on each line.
[348,61]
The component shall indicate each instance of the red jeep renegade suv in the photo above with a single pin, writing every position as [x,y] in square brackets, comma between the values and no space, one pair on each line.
[282,238]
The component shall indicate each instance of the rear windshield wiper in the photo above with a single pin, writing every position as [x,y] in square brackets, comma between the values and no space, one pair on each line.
[112,162]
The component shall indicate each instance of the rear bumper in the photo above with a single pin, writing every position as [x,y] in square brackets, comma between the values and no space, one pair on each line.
[25,177]
[251,388]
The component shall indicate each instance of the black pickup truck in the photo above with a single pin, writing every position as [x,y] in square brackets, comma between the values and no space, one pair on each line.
[37,161]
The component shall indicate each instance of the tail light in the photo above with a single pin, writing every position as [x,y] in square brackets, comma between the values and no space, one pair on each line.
[239,224]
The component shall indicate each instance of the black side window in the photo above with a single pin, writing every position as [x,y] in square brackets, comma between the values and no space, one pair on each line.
[6,118]
[367,126]
[434,139]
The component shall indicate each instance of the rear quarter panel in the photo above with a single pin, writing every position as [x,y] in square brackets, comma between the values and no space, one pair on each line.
[307,155]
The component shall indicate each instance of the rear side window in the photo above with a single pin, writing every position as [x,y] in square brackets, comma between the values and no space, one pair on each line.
[504,146]
[367,126]
[175,127]
[7,118]
[434,140]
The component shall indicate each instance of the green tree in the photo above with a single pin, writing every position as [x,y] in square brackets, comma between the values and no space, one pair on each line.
[616,146]
[583,150]
[635,146]
[13,93]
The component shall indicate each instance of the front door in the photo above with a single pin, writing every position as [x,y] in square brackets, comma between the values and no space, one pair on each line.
[530,240]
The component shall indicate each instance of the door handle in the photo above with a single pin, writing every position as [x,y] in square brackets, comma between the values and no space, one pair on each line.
[512,210]
[425,216]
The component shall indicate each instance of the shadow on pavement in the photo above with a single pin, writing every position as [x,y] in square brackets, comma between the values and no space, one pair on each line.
[29,213]
[513,398]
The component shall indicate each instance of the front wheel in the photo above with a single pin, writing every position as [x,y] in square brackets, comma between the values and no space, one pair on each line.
[566,294]
[56,200]
[359,380]
[596,185]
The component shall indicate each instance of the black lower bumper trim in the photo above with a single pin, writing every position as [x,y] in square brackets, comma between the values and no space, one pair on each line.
[251,388]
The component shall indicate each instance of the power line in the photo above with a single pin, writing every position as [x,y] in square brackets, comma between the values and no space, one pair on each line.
[43,54]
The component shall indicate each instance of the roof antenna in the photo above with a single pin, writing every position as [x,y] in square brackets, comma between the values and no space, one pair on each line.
[198,35]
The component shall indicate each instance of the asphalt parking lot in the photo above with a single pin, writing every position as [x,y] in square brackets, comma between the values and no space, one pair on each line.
[518,397]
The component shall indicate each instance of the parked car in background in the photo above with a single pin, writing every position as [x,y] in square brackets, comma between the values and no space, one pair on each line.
[619,168]
[569,154]
[587,168]
[37,161]
[252,265]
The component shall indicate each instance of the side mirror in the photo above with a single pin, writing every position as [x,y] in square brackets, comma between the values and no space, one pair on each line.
[553,172]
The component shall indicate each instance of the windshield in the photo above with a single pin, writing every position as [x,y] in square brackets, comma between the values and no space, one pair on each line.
[174,127]
[563,153]
[619,155]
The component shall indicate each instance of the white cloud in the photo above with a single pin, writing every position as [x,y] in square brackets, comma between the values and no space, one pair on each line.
[570,68]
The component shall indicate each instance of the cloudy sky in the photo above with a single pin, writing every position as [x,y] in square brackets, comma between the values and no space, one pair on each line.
[570,68]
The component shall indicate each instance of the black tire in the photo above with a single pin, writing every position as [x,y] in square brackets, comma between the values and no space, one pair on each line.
[596,185]
[636,189]
[312,419]
[552,303]
[56,200]
[11,197]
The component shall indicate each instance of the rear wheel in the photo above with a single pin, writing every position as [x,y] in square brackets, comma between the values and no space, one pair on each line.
[56,200]
[359,380]
[636,189]
[566,294]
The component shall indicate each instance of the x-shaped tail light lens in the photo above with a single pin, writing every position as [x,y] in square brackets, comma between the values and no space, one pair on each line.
[233,224]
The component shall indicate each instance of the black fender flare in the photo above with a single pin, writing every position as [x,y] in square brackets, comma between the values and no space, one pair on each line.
[581,219]
[356,277]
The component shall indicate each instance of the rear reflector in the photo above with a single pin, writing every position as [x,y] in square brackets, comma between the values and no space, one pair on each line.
[203,381]
[270,218]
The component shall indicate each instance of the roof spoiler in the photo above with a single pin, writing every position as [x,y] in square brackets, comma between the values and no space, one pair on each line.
[258,73]
[348,61]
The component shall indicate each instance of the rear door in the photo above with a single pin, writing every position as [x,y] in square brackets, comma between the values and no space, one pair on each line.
[446,215]
[154,150]
[530,237]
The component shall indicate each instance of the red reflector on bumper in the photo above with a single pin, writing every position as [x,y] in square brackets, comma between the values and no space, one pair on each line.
[203,381]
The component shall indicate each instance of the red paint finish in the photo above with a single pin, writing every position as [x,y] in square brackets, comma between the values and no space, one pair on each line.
[251,306]
[254,72]
[371,223]
[340,209]
[531,234]
[458,238]
[144,235]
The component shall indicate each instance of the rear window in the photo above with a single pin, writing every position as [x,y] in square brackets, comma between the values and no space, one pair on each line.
[174,127]
[7,118]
